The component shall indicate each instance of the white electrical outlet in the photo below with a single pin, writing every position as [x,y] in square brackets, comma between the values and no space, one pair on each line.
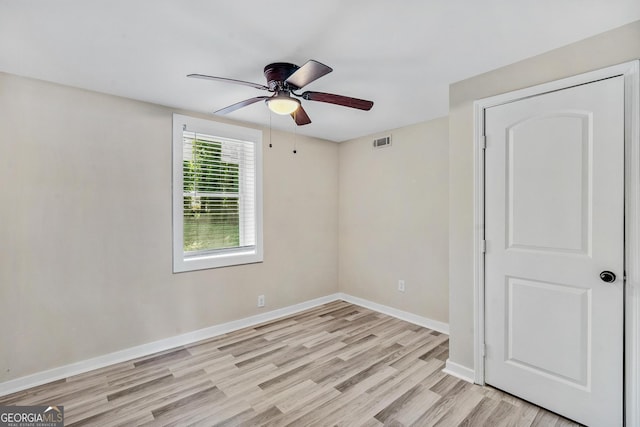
[401,285]
[260,300]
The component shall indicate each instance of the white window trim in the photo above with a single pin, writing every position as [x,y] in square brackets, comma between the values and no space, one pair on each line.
[223,258]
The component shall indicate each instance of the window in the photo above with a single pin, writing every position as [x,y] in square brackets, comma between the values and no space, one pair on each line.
[217,194]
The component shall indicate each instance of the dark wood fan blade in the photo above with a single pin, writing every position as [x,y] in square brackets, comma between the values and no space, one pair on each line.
[300,116]
[226,80]
[345,101]
[310,71]
[240,104]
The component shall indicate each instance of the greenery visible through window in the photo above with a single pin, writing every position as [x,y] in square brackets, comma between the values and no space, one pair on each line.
[217,194]
[211,195]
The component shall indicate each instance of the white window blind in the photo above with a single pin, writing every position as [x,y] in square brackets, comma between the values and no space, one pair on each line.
[219,199]
[219,188]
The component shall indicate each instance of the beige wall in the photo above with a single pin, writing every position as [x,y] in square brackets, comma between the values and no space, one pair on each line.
[610,48]
[85,267]
[393,213]
[85,229]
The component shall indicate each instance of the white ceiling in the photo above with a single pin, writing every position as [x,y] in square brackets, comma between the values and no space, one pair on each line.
[402,55]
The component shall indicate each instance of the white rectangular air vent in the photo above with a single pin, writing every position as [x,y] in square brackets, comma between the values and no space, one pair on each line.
[385,141]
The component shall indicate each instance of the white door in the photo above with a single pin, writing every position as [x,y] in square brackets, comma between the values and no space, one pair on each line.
[554,200]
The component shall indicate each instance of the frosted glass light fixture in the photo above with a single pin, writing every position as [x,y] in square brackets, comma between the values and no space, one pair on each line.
[282,104]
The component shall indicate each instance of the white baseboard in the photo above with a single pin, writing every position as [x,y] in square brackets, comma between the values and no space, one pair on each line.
[459,371]
[400,314]
[83,366]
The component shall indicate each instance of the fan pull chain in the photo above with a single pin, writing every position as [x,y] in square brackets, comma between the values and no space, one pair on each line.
[294,137]
[270,114]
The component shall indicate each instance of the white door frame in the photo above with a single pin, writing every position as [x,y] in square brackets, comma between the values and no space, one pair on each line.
[631,73]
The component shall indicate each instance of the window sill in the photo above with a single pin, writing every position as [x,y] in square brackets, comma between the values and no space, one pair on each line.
[204,262]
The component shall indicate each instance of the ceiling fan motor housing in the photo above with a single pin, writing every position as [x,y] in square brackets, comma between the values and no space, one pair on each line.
[277,73]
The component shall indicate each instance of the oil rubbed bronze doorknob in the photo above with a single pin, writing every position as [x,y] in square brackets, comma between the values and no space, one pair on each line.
[608,277]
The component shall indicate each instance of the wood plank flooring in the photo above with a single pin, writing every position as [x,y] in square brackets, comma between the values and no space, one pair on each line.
[336,364]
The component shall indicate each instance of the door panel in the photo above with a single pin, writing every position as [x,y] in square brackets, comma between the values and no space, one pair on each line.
[554,182]
[549,212]
[563,326]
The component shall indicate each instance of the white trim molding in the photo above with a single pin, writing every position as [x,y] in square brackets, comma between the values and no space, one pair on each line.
[143,350]
[631,73]
[632,244]
[61,372]
[398,314]
[459,371]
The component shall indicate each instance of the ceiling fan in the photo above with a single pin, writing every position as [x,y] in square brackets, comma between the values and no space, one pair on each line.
[283,79]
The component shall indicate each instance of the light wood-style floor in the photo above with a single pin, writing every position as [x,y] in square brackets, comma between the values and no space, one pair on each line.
[337,364]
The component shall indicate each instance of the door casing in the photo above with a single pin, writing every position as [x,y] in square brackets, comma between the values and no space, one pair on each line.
[631,73]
